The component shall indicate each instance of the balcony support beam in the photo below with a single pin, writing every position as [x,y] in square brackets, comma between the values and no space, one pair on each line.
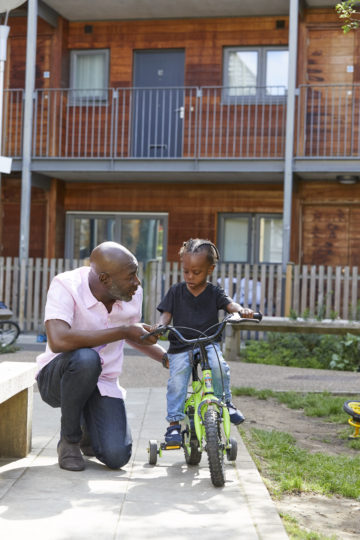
[290,130]
[28,128]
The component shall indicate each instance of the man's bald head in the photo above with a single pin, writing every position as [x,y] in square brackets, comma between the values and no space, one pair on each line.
[109,257]
[113,274]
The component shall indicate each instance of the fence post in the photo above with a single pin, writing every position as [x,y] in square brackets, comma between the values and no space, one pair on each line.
[288,289]
[151,292]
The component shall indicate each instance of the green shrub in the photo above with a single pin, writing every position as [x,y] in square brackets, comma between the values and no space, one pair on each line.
[305,350]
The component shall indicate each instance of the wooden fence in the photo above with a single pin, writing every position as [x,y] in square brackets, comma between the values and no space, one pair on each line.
[324,292]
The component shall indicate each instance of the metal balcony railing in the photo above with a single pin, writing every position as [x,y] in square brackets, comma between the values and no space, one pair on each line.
[328,119]
[185,123]
[146,123]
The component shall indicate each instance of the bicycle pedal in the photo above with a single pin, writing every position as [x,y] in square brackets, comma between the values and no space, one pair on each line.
[170,446]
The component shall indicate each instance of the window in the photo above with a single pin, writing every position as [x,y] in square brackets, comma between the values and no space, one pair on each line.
[250,238]
[89,74]
[261,72]
[143,234]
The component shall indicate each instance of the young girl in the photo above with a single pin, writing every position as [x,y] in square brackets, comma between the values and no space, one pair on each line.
[195,303]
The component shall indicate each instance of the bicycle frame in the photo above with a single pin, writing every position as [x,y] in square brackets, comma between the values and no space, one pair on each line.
[202,397]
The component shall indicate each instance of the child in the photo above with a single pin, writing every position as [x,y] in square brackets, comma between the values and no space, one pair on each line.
[194,303]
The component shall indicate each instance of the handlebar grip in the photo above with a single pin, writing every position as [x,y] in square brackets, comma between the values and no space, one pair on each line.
[258,316]
[157,332]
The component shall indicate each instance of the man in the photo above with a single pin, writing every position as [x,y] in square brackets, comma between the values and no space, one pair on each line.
[89,313]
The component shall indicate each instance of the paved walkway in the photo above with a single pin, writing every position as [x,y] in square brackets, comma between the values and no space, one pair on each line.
[171,500]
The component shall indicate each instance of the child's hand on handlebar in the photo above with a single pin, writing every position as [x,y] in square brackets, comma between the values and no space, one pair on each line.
[246,313]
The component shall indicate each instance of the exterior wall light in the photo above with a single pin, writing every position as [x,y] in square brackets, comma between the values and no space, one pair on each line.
[347,179]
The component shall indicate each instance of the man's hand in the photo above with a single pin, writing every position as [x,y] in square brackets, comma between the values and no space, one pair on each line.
[136,331]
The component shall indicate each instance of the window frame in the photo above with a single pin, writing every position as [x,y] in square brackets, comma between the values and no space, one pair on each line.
[253,234]
[117,217]
[260,95]
[74,98]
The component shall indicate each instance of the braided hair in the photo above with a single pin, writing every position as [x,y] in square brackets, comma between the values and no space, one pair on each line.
[198,245]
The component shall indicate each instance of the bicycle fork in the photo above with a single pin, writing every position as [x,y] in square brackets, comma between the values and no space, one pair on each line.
[201,401]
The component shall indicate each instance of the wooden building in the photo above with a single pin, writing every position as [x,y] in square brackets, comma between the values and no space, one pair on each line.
[155,125]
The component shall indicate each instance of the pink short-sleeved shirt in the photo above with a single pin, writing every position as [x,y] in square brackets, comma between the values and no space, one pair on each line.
[70,299]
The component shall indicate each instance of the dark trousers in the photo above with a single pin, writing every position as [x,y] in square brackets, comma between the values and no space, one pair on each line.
[70,381]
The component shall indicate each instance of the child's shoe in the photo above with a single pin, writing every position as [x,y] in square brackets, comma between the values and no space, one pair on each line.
[173,434]
[236,416]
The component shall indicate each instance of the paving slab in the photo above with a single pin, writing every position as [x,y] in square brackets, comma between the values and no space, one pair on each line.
[40,501]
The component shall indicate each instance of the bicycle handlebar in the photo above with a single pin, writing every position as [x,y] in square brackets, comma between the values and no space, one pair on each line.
[232,318]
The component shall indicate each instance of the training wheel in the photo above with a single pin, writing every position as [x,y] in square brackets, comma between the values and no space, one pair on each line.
[153,452]
[353,409]
[231,453]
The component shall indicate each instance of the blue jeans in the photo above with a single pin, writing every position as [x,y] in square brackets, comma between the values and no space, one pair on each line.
[70,381]
[180,371]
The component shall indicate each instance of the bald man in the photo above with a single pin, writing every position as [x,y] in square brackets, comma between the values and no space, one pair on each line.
[89,313]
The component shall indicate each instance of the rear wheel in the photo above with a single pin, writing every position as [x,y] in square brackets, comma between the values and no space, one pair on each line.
[9,332]
[190,442]
[214,447]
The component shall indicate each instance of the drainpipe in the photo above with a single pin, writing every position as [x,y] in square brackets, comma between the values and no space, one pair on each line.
[290,129]
[28,128]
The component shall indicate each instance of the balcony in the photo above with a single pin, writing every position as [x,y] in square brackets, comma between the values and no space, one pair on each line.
[185,129]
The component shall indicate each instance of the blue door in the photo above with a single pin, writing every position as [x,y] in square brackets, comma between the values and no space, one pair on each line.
[158,103]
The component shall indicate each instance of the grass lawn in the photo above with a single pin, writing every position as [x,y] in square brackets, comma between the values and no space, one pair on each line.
[289,469]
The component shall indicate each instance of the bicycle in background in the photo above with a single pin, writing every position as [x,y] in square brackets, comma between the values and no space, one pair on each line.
[9,330]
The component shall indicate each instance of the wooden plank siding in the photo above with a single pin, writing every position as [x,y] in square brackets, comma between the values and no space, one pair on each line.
[203,40]
[326,216]
[193,208]
[329,223]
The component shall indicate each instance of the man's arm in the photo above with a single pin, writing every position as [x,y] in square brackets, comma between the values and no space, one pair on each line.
[156,352]
[63,338]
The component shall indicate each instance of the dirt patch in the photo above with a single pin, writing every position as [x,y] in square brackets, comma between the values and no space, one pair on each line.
[335,516]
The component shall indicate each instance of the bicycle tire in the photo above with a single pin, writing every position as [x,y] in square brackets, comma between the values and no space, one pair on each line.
[352,408]
[9,332]
[214,448]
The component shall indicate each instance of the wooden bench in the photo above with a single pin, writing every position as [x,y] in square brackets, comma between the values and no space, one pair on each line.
[16,406]
[285,324]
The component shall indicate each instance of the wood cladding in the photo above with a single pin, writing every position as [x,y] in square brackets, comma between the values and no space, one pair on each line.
[10,230]
[192,208]
[326,220]
[330,224]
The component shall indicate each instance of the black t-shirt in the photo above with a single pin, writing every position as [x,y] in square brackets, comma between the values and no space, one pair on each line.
[199,312]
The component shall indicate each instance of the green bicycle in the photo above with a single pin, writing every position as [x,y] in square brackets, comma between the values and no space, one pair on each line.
[206,426]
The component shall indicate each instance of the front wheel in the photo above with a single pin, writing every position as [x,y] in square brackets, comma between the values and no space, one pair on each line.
[214,447]
[9,332]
